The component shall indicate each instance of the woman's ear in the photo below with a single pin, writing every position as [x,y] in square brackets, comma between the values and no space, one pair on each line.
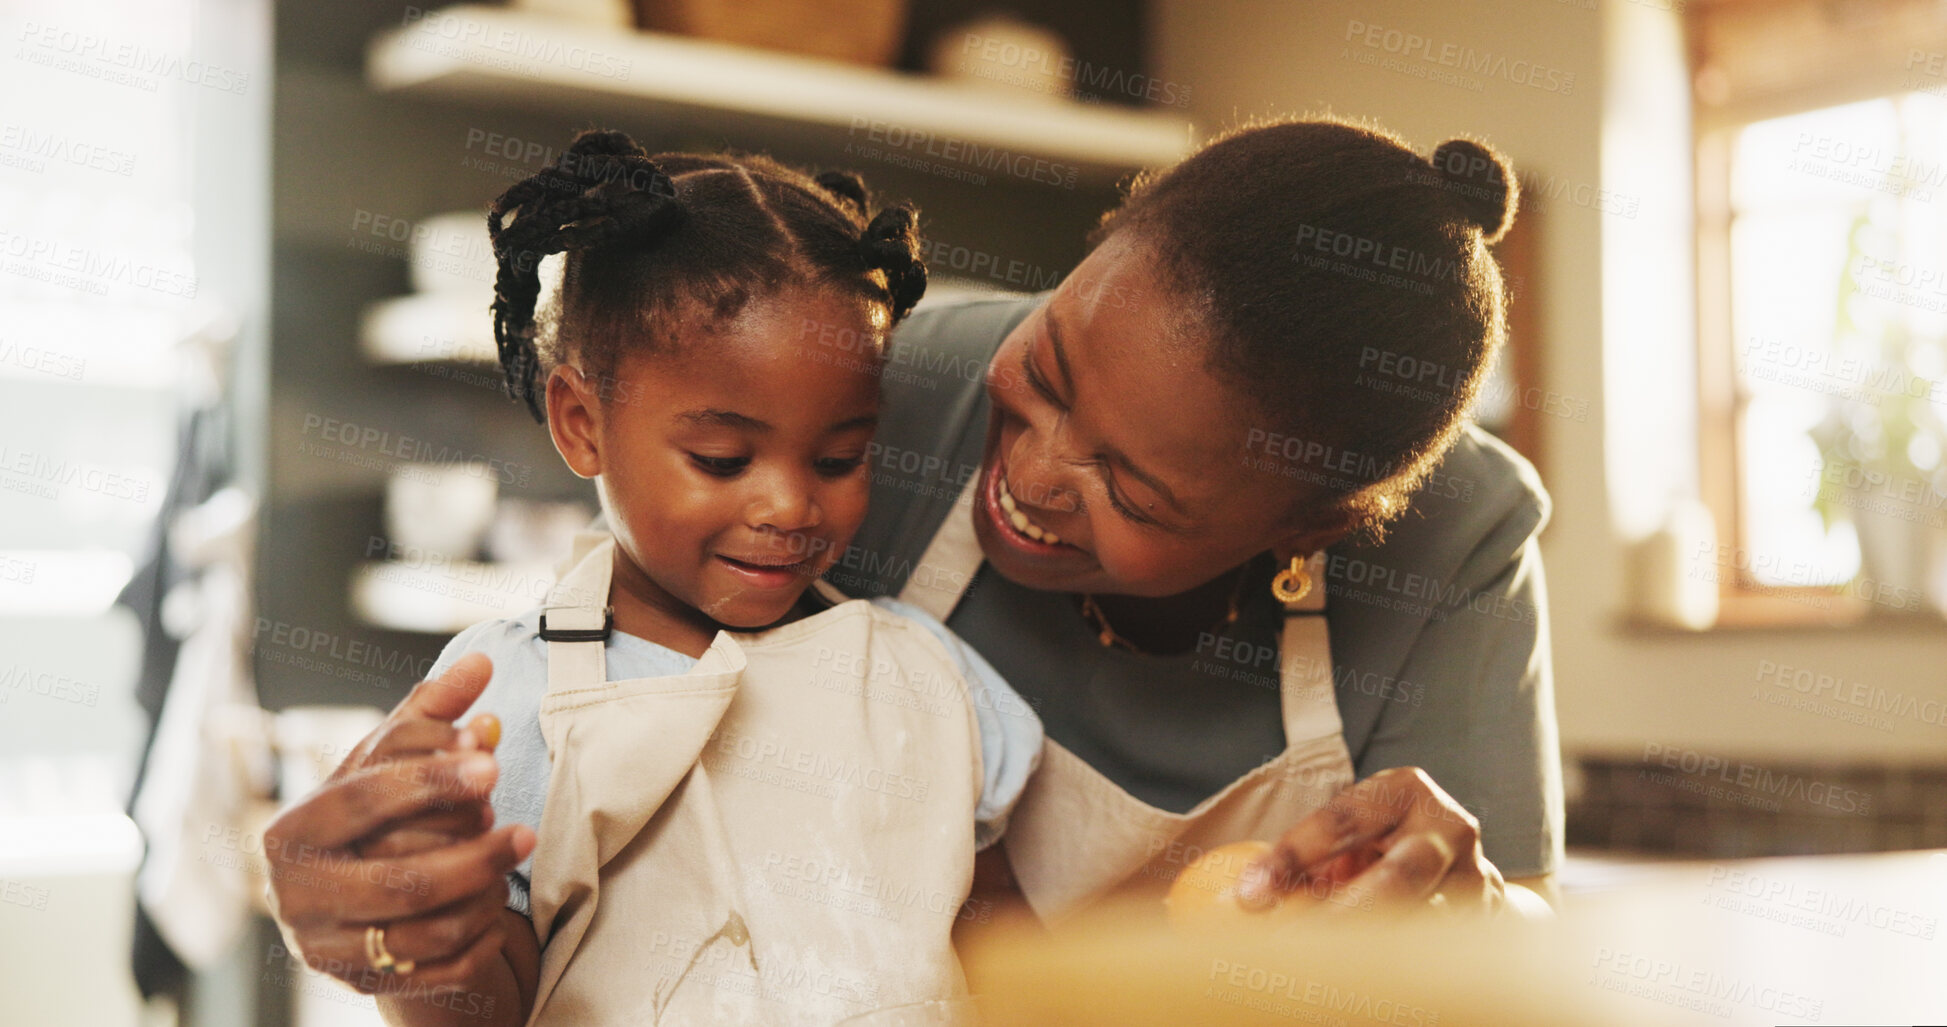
[1312,539]
[574,420]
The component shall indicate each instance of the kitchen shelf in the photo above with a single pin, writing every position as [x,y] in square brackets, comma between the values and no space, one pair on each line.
[429,328]
[443,598]
[493,57]
[455,329]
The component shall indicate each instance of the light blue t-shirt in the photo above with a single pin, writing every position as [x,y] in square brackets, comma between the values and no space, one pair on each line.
[1010,732]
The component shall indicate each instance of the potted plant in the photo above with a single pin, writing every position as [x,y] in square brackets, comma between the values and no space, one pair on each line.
[1884,435]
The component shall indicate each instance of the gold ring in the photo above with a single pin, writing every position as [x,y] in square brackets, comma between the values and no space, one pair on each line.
[381,960]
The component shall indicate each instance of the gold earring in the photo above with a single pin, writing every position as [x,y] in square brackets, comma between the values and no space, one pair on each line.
[1293,583]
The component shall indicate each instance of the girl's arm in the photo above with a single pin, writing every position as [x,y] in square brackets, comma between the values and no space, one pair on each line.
[499,989]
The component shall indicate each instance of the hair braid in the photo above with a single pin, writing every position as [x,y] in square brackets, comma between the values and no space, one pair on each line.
[604,188]
[891,244]
[642,268]
[845,186]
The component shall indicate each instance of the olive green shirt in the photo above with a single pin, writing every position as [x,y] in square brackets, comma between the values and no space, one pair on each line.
[1439,634]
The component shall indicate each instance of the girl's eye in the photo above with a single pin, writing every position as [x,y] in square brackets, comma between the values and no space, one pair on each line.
[721,466]
[838,466]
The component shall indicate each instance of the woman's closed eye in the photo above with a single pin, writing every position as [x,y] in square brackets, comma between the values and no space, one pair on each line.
[1039,384]
[1127,511]
[1122,506]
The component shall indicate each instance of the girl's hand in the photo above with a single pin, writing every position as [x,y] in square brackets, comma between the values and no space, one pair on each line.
[440,907]
[1394,840]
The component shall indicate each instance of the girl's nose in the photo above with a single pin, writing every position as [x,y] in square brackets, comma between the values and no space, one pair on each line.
[786,504]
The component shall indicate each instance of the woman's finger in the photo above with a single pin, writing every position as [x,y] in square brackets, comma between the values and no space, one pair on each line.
[1354,818]
[406,735]
[445,983]
[422,734]
[441,699]
[399,736]
[440,935]
[426,831]
[1468,890]
[395,889]
[364,801]
[452,693]
[1412,869]
[1474,885]
[349,963]
[445,934]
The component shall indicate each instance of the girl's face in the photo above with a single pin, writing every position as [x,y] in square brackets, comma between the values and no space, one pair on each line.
[733,464]
[1108,431]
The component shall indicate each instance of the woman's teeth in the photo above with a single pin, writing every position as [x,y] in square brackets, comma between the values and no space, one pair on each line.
[1020,520]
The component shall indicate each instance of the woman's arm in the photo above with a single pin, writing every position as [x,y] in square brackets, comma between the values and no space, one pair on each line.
[434,880]
[1462,775]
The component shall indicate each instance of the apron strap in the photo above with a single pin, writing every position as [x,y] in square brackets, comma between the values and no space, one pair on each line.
[954,549]
[1311,710]
[829,592]
[577,621]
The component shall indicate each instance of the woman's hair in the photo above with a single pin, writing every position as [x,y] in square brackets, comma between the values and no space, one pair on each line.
[1347,289]
[677,239]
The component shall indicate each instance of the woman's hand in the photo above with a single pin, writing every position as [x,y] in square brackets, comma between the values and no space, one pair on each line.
[355,853]
[1395,840]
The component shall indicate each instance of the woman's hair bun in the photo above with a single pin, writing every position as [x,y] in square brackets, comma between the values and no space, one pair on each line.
[1481,183]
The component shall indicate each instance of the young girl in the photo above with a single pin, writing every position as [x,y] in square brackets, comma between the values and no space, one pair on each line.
[777,824]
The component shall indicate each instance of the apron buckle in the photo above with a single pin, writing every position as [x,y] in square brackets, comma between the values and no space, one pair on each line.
[577,634]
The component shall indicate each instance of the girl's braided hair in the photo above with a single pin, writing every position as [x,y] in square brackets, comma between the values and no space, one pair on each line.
[654,242]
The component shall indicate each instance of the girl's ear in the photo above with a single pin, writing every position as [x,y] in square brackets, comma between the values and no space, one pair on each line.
[574,420]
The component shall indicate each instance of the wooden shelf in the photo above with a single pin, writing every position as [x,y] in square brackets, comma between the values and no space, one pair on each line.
[429,328]
[493,56]
[444,598]
[456,329]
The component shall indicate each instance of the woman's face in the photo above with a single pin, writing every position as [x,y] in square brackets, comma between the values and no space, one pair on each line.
[1109,432]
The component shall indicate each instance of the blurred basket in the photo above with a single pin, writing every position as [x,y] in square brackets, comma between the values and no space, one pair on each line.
[857,31]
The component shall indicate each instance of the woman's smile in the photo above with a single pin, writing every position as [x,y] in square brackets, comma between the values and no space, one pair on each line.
[1012,521]
[1019,518]
[1024,538]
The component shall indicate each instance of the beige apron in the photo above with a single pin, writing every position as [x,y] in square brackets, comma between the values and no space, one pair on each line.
[1077,837]
[784,834]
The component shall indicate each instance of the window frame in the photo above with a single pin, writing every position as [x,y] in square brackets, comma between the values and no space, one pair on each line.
[1743,602]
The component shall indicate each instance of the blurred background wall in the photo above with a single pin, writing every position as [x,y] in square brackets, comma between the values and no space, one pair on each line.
[1726,361]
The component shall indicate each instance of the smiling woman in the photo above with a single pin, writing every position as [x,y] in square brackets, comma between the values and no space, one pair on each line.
[1190,415]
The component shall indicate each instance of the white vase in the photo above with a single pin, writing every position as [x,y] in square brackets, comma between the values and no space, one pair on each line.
[1895,552]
